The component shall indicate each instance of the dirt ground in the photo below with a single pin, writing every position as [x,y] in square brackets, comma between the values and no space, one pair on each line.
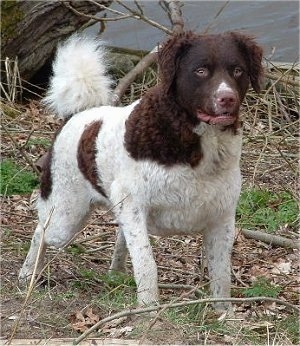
[67,301]
[75,292]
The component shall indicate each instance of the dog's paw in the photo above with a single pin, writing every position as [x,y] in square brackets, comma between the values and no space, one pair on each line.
[23,281]
[24,277]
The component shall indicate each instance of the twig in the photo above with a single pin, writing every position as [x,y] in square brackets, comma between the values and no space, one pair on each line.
[141,16]
[13,80]
[151,324]
[215,17]
[136,311]
[103,7]
[282,80]
[239,279]
[280,167]
[32,280]
[173,9]
[97,19]
[259,159]
[271,239]
[23,153]
[124,82]
[285,159]
[100,248]
[281,105]
[197,290]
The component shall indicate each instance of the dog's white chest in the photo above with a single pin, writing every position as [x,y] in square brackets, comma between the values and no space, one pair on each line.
[182,201]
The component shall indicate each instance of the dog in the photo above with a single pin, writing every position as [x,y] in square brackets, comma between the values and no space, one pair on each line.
[166,164]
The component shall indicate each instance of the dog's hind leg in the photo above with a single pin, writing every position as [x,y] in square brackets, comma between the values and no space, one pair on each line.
[120,254]
[54,229]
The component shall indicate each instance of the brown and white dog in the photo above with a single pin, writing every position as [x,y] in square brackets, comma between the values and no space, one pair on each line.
[169,163]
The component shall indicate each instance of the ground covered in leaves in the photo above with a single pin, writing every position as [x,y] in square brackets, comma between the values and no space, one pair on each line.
[75,291]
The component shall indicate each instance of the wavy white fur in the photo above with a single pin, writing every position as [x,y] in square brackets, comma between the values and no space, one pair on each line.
[79,78]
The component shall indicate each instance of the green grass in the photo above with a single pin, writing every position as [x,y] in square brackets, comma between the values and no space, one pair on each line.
[16,180]
[75,249]
[262,287]
[116,279]
[119,291]
[186,314]
[291,325]
[42,142]
[200,320]
[267,210]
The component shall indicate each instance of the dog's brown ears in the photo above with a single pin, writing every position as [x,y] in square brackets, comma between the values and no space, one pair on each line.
[253,54]
[170,53]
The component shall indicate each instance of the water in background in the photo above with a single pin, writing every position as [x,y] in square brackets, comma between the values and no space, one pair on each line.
[275,24]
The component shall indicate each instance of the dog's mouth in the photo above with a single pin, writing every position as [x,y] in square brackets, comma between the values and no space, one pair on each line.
[224,119]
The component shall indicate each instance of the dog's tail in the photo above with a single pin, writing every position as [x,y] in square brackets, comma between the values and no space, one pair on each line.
[79,78]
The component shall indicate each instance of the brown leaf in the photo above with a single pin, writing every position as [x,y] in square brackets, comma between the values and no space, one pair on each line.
[83,321]
[92,318]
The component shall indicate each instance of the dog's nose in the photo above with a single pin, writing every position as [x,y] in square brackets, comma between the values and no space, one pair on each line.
[226,99]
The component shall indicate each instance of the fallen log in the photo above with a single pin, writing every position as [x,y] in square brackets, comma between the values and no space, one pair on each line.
[271,239]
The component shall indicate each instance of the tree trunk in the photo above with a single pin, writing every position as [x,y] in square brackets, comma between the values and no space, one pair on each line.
[32,29]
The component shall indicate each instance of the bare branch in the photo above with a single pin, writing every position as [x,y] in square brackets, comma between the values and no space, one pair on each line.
[215,17]
[97,19]
[271,239]
[138,6]
[120,14]
[173,9]
[131,76]
[184,303]
[141,16]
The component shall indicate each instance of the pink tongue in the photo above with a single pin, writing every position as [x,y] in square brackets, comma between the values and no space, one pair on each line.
[216,119]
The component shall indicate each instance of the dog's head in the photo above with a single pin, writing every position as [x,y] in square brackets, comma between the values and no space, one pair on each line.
[209,75]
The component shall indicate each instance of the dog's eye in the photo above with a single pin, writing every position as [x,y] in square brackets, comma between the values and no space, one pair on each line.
[202,72]
[237,72]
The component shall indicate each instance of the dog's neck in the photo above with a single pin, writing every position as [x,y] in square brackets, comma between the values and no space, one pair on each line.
[159,131]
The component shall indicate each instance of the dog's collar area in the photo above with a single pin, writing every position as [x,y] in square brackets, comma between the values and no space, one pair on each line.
[200,129]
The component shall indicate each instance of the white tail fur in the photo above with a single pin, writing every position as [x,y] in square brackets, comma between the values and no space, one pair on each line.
[79,78]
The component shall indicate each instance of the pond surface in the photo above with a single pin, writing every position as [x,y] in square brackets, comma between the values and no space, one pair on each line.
[275,24]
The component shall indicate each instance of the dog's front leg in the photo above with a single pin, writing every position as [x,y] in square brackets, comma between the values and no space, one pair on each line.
[37,247]
[132,221]
[218,241]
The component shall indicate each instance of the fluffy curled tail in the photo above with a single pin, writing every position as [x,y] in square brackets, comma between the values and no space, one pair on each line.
[79,78]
